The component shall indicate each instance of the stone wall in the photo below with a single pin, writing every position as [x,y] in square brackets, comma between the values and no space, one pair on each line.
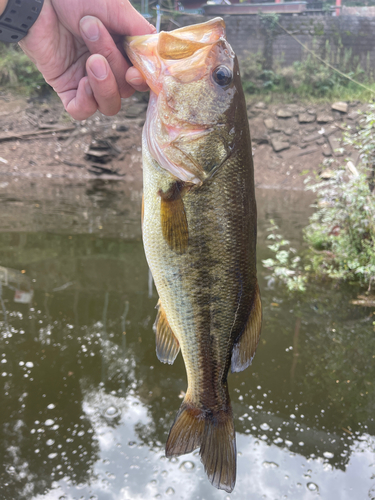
[350,37]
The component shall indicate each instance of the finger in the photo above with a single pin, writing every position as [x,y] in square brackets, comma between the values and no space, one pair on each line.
[99,41]
[135,78]
[80,104]
[103,84]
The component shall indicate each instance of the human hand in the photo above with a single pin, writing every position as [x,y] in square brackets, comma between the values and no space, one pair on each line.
[76,45]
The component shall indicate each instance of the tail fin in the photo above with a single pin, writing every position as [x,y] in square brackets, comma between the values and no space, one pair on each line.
[218,452]
[186,432]
[215,436]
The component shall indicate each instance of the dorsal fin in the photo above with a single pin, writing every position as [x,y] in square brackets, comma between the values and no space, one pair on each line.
[245,347]
[173,218]
[167,346]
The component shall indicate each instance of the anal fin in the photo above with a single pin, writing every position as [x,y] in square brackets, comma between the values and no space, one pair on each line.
[167,346]
[245,347]
[186,432]
[218,452]
[173,218]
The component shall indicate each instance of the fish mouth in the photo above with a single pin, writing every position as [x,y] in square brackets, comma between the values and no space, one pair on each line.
[166,53]
[185,55]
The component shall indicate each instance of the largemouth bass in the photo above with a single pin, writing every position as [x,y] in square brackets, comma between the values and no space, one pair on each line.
[199,229]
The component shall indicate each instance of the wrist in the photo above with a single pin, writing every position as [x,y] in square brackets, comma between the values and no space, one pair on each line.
[3,4]
[17,18]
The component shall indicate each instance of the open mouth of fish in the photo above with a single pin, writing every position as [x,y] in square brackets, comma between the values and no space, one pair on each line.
[166,60]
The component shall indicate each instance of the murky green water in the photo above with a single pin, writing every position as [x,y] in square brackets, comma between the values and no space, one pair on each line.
[85,406]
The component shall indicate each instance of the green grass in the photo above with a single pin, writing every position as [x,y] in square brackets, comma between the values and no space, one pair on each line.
[309,79]
[18,73]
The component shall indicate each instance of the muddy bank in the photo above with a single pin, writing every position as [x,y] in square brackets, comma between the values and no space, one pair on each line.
[38,139]
[80,176]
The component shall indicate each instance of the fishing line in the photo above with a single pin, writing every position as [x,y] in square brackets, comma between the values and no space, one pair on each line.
[325,62]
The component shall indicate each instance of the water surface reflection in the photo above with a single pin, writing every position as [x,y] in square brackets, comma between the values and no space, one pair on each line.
[86,406]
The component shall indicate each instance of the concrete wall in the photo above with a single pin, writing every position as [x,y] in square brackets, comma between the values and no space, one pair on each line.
[346,36]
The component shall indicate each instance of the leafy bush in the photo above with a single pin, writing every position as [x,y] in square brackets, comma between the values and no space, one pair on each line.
[342,230]
[341,233]
[18,71]
[286,266]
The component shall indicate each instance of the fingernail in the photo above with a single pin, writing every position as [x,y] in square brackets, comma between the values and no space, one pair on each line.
[98,67]
[136,80]
[90,28]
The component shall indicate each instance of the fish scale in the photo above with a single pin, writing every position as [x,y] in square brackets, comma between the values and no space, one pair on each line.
[200,240]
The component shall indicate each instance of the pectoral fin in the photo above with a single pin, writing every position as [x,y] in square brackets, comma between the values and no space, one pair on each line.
[244,349]
[167,346]
[173,218]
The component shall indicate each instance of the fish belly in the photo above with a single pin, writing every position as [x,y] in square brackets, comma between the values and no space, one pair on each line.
[207,290]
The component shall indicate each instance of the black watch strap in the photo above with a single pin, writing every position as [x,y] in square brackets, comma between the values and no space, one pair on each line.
[17,19]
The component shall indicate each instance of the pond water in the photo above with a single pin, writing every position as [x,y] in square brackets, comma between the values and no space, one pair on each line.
[86,407]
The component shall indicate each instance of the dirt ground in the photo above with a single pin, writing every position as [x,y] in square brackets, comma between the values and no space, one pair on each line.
[38,139]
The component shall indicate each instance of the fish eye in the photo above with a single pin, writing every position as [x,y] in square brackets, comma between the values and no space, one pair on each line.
[222,76]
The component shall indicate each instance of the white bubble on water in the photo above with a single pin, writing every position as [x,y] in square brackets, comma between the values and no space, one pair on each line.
[264,426]
[112,412]
[50,442]
[270,465]
[52,455]
[312,487]
[328,454]
[51,406]
[30,364]
[187,466]
[49,422]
